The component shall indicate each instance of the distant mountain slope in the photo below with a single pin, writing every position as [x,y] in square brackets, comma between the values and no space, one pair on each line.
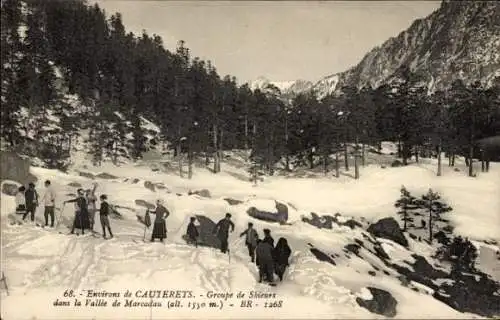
[459,40]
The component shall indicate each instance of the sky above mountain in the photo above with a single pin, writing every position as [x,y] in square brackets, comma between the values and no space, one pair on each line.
[278,40]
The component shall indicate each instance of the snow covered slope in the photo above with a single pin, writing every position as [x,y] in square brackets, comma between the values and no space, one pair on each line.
[41,265]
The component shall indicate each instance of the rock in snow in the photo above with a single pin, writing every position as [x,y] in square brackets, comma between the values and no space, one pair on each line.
[382,302]
[388,228]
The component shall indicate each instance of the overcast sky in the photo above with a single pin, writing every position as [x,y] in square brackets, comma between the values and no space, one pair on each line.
[278,40]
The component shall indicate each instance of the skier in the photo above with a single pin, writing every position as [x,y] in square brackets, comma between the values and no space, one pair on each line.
[81,220]
[91,203]
[222,231]
[31,201]
[160,225]
[104,213]
[21,201]
[250,240]
[264,257]
[280,255]
[192,232]
[49,200]
[268,238]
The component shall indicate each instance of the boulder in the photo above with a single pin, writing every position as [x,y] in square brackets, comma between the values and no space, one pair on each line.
[15,168]
[10,189]
[321,256]
[205,229]
[86,175]
[388,228]
[135,181]
[75,185]
[396,163]
[233,202]
[149,185]
[382,302]
[281,214]
[202,193]
[106,176]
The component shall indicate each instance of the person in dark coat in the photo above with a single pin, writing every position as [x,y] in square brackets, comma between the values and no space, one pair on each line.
[81,212]
[268,238]
[281,254]
[160,225]
[104,216]
[250,240]
[192,232]
[222,231]
[264,256]
[31,197]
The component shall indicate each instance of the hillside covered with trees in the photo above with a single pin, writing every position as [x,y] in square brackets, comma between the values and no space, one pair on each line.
[54,51]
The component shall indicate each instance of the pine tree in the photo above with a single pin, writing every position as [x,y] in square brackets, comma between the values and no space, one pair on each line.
[435,207]
[406,204]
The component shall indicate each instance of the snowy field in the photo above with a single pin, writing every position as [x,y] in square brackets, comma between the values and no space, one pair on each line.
[40,265]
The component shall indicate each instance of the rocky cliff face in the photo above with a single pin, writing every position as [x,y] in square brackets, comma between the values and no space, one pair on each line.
[459,40]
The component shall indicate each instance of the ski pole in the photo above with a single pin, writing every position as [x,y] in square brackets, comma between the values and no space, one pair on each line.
[5,282]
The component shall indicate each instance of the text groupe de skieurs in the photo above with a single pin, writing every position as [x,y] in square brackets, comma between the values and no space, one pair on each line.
[179,294]
[153,294]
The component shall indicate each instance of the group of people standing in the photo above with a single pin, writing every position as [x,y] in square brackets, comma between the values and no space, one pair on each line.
[270,259]
[28,200]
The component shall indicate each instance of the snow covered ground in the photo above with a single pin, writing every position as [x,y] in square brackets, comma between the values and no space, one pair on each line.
[41,265]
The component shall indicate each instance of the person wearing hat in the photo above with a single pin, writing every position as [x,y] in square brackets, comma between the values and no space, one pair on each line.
[160,225]
[268,238]
[222,231]
[49,200]
[81,220]
[103,214]
[192,232]
[31,197]
[250,240]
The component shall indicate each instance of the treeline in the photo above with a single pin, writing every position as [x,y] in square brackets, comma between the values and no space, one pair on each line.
[52,46]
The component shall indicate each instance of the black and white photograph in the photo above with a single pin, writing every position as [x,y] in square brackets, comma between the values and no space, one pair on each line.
[249,159]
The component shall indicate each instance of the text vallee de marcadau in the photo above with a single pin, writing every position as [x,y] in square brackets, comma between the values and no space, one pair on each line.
[93,298]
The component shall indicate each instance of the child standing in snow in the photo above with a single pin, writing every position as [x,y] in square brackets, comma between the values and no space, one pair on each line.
[104,216]
[192,232]
[21,201]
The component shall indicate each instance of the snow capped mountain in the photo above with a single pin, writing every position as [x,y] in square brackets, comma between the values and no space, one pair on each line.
[460,40]
[286,88]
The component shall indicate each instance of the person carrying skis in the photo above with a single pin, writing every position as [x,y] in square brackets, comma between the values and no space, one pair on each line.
[250,240]
[264,257]
[104,216]
[268,238]
[31,201]
[281,254]
[91,203]
[20,201]
[222,231]
[81,220]
[160,225]
[192,232]
[49,200]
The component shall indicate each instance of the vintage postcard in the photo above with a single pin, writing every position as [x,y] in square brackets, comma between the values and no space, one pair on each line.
[250,159]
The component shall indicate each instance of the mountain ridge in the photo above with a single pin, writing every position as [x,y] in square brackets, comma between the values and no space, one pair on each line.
[457,41]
